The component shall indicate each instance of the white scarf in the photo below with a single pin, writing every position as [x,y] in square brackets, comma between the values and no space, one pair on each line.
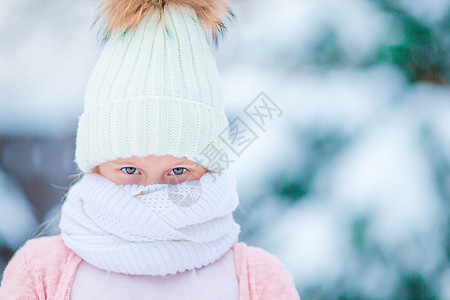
[157,229]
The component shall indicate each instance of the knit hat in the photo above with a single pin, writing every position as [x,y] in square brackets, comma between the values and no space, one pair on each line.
[155,88]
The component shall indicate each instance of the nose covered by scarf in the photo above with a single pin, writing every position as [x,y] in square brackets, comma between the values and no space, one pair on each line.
[157,229]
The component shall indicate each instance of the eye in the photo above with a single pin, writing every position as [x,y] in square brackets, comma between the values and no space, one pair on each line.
[177,171]
[130,170]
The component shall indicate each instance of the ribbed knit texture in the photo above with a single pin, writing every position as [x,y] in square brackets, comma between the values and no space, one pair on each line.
[153,92]
[143,230]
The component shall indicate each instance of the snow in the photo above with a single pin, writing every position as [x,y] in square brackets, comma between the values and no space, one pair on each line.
[433,109]
[46,61]
[290,30]
[445,285]
[345,100]
[374,210]
[428,11]
[387,178]
[317,250]
[383,176]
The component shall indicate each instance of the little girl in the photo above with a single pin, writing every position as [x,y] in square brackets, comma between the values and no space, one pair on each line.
[150,218]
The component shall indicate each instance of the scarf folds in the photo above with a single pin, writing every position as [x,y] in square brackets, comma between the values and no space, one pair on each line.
[157,229]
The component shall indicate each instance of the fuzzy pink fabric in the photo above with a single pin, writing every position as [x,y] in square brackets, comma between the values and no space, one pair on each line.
[44,268]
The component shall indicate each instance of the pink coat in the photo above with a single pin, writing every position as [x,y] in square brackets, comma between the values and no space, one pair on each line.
[44,268]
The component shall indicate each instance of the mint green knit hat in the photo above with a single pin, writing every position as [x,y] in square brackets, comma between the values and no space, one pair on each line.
[155,88]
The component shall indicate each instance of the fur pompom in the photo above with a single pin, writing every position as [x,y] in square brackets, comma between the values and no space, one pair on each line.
[123,15]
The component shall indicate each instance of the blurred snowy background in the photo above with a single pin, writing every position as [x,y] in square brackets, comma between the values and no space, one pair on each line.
[349,187]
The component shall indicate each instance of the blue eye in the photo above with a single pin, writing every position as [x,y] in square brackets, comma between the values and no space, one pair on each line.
[130,170]
[177,171]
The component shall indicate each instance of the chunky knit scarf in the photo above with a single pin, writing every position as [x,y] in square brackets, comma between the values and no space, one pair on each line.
[150,230]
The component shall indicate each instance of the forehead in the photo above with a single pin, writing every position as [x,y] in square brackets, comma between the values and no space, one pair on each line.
[152,159]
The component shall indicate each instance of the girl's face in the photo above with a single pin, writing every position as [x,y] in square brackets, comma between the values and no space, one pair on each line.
[151,169]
